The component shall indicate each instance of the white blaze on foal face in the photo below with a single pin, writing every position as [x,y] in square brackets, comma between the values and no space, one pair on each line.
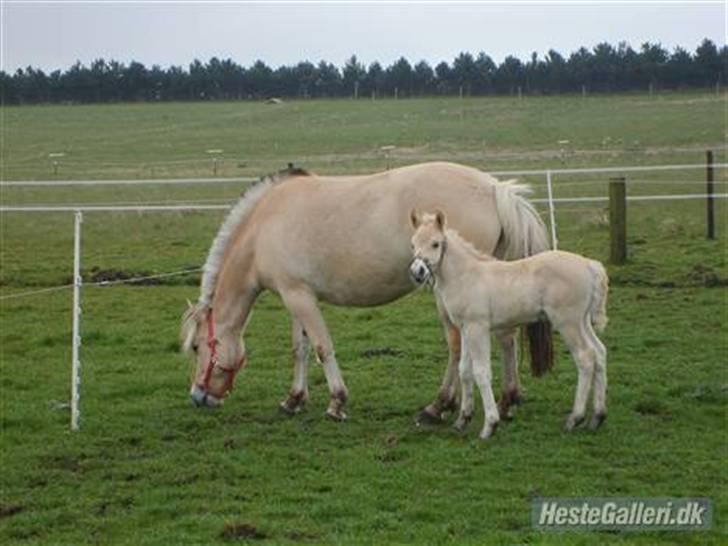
[428,244]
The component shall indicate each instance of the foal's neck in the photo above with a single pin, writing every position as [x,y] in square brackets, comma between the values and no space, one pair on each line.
[458,255]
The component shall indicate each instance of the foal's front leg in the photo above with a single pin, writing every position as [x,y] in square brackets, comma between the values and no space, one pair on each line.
[298,395]
[477,341]
[466,390]
[446,396]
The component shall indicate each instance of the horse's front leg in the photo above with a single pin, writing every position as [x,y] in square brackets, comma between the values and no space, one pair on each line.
[298,395]
[511,395]
[303,306]
[446,399]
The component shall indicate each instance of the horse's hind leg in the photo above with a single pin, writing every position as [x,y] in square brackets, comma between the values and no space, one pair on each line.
[600,380]
[304,308]
[298,394]
[447,395]
[511,395]
[584,357]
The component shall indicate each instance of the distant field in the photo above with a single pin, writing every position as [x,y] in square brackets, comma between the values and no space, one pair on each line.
[163,140]
[147,469]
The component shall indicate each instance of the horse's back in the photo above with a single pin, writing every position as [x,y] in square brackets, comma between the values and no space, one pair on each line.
[348,237]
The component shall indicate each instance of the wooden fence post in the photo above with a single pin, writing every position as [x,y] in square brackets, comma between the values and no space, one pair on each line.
[618,220]
[709,190]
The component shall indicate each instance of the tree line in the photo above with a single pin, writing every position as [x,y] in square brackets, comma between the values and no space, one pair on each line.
[603,69]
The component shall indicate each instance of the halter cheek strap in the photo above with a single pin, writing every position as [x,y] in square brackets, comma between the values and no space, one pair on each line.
[212,343]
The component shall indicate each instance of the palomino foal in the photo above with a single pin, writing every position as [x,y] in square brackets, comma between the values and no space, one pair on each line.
[481,294]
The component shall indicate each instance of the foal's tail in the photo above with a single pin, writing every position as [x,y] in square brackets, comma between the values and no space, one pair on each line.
[600,288]
[524,234]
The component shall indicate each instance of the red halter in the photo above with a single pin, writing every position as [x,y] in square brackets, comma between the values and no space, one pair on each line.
[212,342]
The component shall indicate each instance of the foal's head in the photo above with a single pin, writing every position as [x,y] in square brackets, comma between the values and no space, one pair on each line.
[217,360]
[428,245]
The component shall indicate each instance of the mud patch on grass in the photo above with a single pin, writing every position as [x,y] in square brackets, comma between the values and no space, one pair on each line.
[375,352]
[9,510]
[242,531]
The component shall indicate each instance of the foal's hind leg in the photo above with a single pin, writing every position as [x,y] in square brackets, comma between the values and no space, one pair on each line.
[446,396]
[303,306]
[298,395]
[511,395]
[584,357]
[600,380]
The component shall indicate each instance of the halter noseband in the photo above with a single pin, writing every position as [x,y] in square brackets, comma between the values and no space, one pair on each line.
[212,363]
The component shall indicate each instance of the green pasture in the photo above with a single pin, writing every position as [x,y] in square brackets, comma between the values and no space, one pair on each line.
[148,469]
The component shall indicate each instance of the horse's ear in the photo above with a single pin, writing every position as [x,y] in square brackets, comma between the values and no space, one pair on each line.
[440,220]
[189,304]
[414,218]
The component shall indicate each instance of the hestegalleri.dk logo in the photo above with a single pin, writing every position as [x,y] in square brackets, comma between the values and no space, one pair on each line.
[622,513]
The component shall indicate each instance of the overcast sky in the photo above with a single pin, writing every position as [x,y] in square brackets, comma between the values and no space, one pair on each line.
[51,35]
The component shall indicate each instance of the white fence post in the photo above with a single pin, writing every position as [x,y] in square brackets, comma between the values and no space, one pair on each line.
[76,343]
[552,214]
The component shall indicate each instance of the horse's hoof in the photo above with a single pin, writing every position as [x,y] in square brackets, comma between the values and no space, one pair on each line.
[337,416]
[427,418]
[488,430]
[596,420]
[573,422]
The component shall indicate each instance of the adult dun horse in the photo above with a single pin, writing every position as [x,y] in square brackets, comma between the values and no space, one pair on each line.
[345,240]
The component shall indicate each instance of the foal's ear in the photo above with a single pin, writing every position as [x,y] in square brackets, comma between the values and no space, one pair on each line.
[440,220]
[414,218]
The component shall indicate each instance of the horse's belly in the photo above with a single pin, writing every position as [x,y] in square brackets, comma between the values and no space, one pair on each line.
[363,290]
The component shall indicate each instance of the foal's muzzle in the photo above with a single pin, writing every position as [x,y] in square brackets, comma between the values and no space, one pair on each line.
[203,399]
[420,271]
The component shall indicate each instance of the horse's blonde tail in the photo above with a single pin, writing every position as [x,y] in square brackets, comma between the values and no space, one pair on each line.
[598,307]
[523,232]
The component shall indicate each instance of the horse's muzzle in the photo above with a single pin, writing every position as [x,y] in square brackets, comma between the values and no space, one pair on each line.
[419,271]
[203,399]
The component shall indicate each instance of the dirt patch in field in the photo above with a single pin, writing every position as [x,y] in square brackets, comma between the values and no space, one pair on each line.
[375,352]
[9,510]
[242,531]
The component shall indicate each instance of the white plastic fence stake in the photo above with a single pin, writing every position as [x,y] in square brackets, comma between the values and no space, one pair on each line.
[552,214]
[76,342]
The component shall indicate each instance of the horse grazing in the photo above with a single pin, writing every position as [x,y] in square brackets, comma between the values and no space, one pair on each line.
[480,293]
[344,240]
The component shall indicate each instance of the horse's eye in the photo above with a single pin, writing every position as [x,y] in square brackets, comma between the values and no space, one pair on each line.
[195,347]
[435,245]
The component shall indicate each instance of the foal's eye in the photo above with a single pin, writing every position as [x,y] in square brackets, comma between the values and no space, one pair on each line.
[435,245]
[194,347]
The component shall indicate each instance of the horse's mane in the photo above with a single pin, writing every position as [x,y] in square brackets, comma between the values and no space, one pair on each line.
[239,212]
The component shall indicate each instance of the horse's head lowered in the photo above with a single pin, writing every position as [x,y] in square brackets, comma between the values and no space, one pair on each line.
[428,245]
[218,359]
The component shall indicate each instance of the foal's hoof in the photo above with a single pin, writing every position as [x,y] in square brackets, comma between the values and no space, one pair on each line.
[488,430]
[462,423]
[596,420]
[427,418]
[572,422]
[289,409]
[338,416]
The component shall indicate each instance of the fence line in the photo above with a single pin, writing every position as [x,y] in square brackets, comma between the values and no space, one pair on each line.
[171,181]
[203,207]
[149,181]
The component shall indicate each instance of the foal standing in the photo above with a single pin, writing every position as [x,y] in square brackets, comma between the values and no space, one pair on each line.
[481,294]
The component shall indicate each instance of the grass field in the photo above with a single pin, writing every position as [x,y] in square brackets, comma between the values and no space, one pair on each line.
[148,469]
